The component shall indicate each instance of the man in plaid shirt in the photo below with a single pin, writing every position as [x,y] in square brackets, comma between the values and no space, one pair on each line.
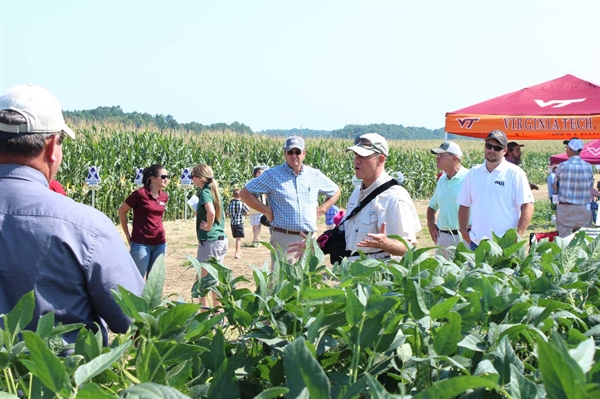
[575,179]
[236,211]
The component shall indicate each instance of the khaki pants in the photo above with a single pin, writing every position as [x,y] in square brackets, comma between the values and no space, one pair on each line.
[570,218]
[446,240]
[281,241]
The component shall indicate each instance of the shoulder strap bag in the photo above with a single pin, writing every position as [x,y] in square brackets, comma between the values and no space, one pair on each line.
[333,242]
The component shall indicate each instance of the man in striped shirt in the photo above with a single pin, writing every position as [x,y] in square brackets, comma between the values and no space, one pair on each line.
[574,179]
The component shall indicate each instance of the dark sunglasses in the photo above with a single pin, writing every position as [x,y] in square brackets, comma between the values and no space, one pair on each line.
[164,177]
[366,143]
[495,147]
[294,152]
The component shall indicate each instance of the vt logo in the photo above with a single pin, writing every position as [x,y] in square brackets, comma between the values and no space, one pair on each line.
[595,151]
[467,123]
[558,103]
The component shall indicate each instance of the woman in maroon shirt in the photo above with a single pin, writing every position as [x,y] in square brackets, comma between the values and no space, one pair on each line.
[147,239]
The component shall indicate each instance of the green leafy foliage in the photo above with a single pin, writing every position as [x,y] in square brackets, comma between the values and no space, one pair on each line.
[507,321]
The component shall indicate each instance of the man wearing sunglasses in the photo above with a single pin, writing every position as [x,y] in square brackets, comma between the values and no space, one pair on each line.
[293,191]
[495,195]
[69,254]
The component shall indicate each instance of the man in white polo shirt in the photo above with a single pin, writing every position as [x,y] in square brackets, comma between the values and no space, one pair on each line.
[495,195]
[443,229]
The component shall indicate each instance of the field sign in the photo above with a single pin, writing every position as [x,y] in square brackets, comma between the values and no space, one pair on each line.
[186,177]
[93,178]
[139,176]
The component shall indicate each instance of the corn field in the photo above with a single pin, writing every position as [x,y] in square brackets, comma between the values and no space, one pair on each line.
[232,156]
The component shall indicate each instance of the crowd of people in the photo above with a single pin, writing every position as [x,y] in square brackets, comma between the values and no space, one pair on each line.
[71,256]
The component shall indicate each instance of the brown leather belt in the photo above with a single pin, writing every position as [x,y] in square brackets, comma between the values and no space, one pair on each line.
[284,231]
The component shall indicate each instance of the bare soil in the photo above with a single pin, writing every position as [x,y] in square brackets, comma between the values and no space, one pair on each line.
[181,241]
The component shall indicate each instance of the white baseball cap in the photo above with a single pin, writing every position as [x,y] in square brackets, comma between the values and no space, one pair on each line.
[368,144]
[449,147]
[575,144]
[38,106]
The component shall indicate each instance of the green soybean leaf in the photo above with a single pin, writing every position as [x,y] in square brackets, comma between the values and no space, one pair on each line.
[225,384]
[312,293]
[20,316]
[440,310]
[150,390]
[561,375]
[153,288]
[520,386]
[93,391]
[504,356]
[89,370]
[354,308]
[448,336]
[45,365]
[453,387]
[303,371]
[175,319]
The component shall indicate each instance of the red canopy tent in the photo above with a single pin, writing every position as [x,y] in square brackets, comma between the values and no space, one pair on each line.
[555,110]
[590,153]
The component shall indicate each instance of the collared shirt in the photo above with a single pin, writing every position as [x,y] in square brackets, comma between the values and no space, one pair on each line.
[494,198]
[293,198]
[218,228]
[69,254]
[236,210]
[393,206]
[575,178]
[445,199]
[148,216]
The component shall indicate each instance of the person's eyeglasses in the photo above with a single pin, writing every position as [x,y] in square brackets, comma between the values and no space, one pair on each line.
[495,147]
[294,152]
[366,143]
[164,177]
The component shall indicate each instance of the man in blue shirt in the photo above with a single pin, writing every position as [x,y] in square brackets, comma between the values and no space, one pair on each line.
[292,190]
[69,254]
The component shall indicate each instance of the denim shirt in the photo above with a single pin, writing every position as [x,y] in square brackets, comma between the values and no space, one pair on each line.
[69,254]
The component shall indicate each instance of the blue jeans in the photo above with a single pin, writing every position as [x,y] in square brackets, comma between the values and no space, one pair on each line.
[144,255]
[473,246]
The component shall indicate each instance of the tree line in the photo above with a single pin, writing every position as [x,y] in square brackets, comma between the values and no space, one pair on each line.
[115,115]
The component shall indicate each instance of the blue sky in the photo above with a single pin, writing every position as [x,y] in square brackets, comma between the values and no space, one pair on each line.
[283,64]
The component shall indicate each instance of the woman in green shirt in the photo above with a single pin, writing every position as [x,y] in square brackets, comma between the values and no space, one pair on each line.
[210,221]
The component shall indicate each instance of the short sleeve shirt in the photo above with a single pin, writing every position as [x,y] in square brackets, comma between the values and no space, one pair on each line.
[218,228]
[393,206]
[293,198]
[494,199]
[148,216]
[445,199]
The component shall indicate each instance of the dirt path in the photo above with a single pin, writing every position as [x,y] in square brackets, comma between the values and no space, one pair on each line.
[181,239]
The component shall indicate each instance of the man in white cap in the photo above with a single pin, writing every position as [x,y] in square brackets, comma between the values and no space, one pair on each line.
[392,212]
[575,179]
[292,190]
[445,230]
[495,196]
[69,254]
